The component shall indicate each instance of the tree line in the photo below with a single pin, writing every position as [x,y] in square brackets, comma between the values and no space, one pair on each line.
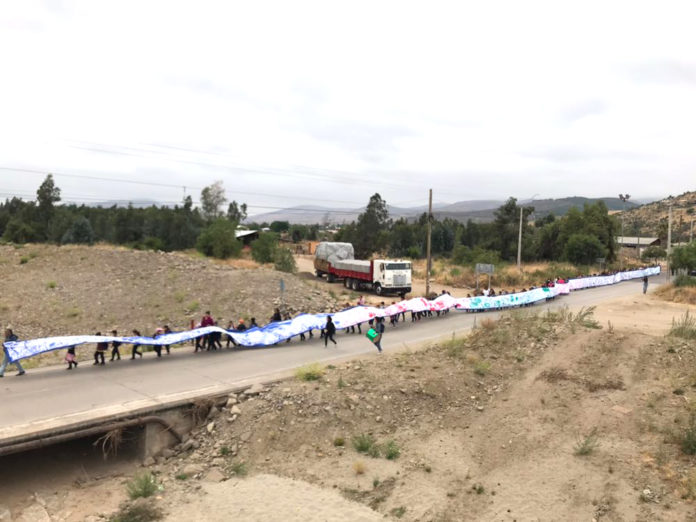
[581,236]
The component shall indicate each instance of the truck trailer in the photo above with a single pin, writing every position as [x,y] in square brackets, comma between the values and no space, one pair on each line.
[383,276]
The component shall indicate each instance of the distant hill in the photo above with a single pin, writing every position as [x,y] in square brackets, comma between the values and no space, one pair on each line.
[477,210]
[651,219]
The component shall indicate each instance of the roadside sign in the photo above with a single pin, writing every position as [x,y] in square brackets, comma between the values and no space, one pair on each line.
[483,268]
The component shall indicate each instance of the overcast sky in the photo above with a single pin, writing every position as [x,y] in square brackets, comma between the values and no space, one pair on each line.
[325,103]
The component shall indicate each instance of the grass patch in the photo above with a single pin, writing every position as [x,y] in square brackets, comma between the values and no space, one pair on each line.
[359,467]
[687,440]
[143,485]
[341,383]
[193,306]
[587,445]
[310,372]
[179,296]
[398,512]
[181,476]
[391,450]
[51,285]
[339,442]
[478,489]
[224,451]
[23,260]
[137,513]
[73,312]
[482,368]
[239,468]
[684,327]
[363,443]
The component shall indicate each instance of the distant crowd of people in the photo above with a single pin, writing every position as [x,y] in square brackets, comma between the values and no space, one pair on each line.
[213,341]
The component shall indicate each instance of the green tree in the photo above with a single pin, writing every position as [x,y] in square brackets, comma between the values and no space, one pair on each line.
[371,229]
[683,257]
[212,198]
[653,252]
[237,213]
[46,195]
[218,240]
[263,250]
[584,249]
[79,232]
[279,226]
[18,231]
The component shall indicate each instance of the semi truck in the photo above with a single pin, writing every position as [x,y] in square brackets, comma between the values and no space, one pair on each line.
[383,276]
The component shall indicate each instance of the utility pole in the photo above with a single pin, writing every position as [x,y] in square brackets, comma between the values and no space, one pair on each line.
[624,198]
[519,238]
[669,240]
[519,243]
[430,227]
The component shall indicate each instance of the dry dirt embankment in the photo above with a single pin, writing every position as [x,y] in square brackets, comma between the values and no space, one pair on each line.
[535,417]
[71,290]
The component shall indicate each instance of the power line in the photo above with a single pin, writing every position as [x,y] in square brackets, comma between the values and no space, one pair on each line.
[171,185]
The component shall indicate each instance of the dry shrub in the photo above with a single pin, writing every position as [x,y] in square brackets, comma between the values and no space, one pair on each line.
[681,294]
[110,442]
[555,374]
[611,383]
[199,410]
[359,467]
[488,324]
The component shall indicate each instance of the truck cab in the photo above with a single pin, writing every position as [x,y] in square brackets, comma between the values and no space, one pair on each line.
[391,276]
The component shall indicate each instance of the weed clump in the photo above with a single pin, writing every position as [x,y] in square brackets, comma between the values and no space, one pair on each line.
[239,468]
[391,450]
[587,445]
[339,442]
[684,327]
[310,372]
[363,443]
[143,485]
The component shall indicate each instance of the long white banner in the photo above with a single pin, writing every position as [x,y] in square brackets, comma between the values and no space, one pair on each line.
[276,332]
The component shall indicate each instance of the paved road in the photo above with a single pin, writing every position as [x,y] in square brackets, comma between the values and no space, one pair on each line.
[49,397]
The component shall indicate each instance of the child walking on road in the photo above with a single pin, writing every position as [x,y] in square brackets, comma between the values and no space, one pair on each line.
[70,358]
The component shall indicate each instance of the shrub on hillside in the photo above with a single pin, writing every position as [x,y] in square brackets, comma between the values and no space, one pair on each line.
[218,240]
[264,248]
[284,261]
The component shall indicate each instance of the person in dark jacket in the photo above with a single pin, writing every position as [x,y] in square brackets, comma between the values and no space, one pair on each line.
[115,353]
[135,350]
[329,331]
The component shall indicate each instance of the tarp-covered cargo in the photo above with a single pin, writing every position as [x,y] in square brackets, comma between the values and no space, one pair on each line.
[333,252]
[356,265]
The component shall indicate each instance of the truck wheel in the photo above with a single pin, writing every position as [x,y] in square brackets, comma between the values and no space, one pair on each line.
[330,278]
[402,295]
[318,273]
[346,282]
[378,289]
[355,285]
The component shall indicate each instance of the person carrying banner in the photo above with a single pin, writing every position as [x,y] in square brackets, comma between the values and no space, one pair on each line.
[99,353]
[9,337]
[115,353]
[330,330]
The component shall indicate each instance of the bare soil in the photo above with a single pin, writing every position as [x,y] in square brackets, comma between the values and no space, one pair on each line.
[488,428]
